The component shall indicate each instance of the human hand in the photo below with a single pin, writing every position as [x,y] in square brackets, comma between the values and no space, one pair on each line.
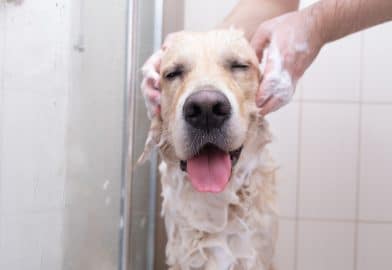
[150,83]
[151,79]
[286,46]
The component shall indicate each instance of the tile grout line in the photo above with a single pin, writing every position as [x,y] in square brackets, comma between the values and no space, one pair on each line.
[353,102]
[2,68]
[336,220]
[299,141]
[358,182]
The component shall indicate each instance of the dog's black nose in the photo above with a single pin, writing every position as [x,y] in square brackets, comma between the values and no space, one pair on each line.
[207,109]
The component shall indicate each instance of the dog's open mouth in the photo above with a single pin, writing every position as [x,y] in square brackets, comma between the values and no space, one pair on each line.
[210,169]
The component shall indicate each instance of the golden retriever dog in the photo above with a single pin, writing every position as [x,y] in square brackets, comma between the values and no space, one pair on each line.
[217,177]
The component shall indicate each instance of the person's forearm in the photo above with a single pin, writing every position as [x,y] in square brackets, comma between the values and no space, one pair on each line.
[338,18]
[248,14]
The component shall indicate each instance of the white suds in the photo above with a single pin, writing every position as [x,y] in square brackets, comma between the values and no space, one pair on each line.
[278,80]
[105,185]
[108,200]
[263,62]
[301,47]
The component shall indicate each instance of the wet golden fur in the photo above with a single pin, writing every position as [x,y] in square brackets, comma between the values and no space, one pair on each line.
[237,228]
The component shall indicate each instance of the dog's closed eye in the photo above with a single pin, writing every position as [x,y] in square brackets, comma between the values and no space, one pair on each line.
[238,66]
[174,73]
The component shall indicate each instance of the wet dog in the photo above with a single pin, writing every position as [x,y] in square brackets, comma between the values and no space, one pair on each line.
[217,177]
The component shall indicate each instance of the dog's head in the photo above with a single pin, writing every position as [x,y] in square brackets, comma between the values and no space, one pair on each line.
[208,82]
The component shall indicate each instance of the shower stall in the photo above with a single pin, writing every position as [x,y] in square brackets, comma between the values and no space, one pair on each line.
[111,210]
[73,123]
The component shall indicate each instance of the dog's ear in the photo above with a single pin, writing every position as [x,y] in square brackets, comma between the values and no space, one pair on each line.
[153,138]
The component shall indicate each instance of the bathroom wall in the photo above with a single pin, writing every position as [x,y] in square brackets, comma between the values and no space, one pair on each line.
[93,222]
[34,38]
[62,78]
[333,143]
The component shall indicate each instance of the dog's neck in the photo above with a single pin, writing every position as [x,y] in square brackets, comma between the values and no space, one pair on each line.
[234,227]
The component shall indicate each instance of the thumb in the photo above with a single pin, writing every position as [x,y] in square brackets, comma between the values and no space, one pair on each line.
[260,40]
[264,93]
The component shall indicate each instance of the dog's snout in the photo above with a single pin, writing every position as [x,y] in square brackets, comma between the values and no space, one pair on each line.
[206,109]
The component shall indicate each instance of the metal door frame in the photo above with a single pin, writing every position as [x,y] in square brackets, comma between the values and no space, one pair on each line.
[168,17]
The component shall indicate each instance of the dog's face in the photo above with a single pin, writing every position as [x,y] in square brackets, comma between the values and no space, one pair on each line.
[209,82]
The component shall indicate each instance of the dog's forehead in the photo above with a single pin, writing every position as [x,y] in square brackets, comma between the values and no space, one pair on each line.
[194,45]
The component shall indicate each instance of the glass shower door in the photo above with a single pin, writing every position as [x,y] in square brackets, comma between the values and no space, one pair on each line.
[95,136]
[112,207]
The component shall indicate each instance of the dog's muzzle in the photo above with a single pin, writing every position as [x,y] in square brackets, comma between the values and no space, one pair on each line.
[210,161]
[207,110]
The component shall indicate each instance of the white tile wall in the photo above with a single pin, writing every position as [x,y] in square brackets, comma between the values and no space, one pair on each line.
[334,74]
[285,248]
[377,79]
[376,159]
[374,246]
[284,148]
[325,245]
[205,15]
[329,153]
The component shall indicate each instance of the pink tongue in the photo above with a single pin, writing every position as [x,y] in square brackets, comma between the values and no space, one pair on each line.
[210,170]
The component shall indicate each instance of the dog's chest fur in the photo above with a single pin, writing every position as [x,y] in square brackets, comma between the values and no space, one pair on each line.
[235,229]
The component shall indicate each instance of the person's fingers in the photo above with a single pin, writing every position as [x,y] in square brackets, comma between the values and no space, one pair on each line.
[153,96]
[260,40]
[263,92]
[275,99]
[261,96]
[151,77]
[151,67]
[273,104]
[273,96]
[150,83]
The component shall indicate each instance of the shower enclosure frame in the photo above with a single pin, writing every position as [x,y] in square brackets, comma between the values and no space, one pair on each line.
[148,23]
